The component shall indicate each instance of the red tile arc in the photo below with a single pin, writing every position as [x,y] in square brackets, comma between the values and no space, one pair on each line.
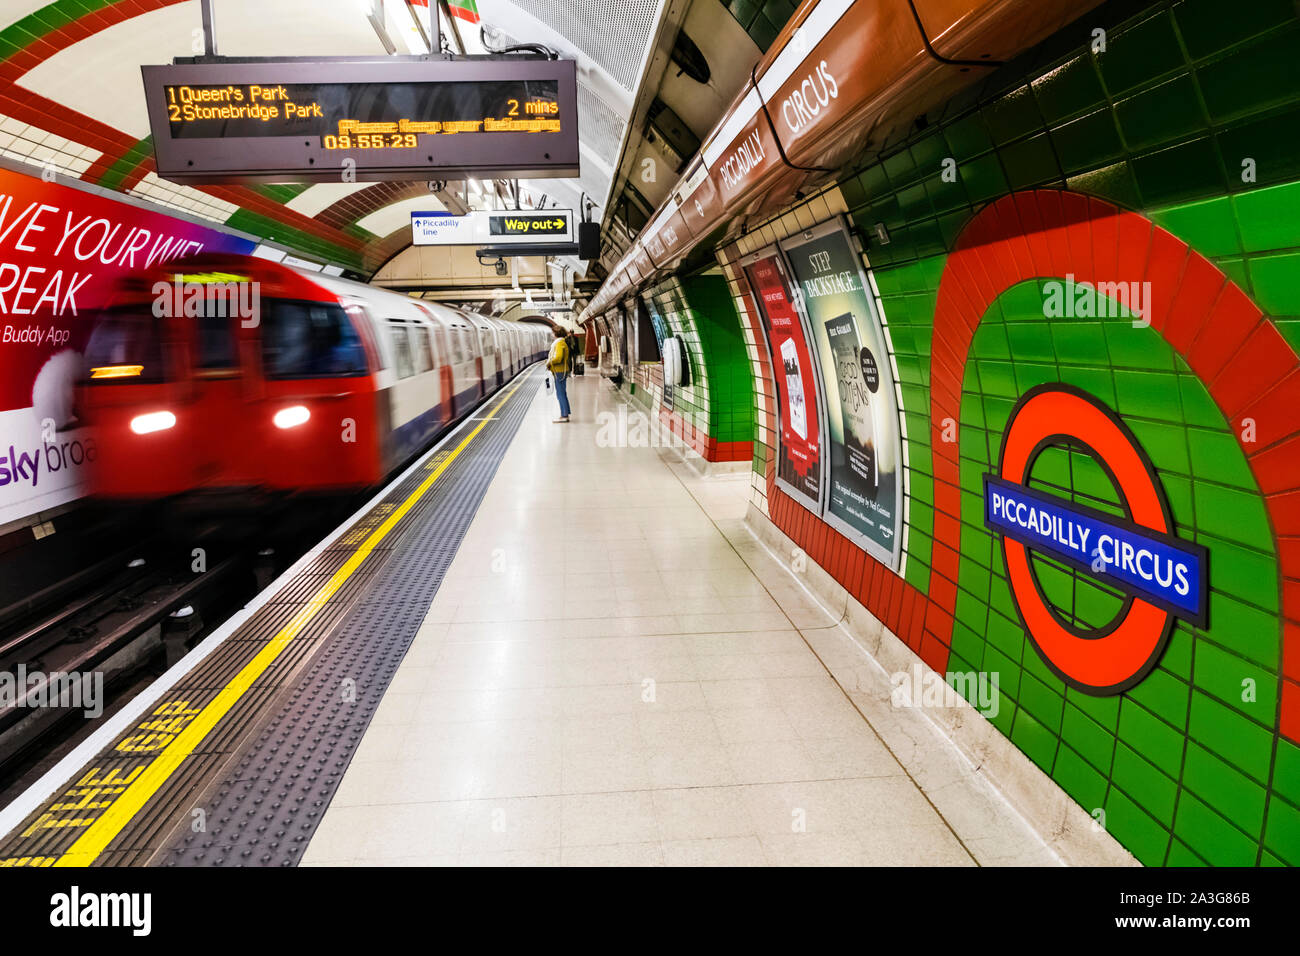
[113,144]
[1224,337]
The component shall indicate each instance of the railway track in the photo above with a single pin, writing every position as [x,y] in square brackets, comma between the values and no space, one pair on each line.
[84,643]
[120,620]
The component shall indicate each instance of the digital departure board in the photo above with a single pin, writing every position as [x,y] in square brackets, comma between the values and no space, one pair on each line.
[363,120]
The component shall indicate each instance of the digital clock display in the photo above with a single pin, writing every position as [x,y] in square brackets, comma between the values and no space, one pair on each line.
[369,141]
[402,118]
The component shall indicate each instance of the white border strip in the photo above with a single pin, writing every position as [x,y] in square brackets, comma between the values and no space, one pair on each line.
[669,210]
[693,181]
[62,772]
[737,121]
[805,39]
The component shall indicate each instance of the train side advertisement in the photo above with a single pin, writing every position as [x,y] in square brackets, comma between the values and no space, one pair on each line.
[799,454]
[60,251]
[865,493]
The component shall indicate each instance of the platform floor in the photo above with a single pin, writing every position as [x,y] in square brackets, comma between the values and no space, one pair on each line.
[615,671]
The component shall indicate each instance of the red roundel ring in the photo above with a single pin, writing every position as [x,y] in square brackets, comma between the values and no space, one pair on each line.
[1130,646]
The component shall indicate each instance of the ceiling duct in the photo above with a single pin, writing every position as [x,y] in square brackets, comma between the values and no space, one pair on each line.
[614,33]
[689,60]
[669,136]
[601,125]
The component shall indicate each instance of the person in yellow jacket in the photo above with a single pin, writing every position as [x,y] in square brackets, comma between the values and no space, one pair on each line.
[558,364]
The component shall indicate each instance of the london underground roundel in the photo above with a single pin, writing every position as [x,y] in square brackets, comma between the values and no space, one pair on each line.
[1136,554]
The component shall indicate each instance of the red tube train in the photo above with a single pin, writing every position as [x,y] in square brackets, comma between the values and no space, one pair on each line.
[232,379]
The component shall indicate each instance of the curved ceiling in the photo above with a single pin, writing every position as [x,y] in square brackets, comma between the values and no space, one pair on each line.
[70,99]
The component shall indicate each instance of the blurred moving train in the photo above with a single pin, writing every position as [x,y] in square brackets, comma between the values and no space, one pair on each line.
[231,379]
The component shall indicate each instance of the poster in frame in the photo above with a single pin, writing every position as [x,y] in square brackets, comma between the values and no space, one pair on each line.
[864,453]
[800,397]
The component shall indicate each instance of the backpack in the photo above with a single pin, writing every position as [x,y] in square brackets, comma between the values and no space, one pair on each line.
[560,363]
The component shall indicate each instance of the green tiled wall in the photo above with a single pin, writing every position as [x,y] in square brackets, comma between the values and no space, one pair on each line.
[690,401]
[116,174]
[1186,97]
[731,380]
[719,400]
[259,225]
[762,19]
[1131,755]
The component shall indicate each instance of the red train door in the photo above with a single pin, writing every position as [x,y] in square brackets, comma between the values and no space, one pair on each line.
[225,395]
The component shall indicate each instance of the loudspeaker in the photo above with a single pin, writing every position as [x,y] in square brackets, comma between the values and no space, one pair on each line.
[588,240]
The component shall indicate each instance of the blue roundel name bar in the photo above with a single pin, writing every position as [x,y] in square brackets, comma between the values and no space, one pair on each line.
[1159,568]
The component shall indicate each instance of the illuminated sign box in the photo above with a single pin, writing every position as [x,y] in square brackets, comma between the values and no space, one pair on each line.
[495,228]
[301,120]
[553,224]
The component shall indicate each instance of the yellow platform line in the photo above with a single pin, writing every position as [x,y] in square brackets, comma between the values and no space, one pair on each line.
[99,834]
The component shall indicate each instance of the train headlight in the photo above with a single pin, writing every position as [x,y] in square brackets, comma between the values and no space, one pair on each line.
[291,417]
[117,371]
[152,422]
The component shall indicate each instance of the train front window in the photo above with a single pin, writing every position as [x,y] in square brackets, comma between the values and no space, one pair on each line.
[216,342]
[309,340]
[125,347]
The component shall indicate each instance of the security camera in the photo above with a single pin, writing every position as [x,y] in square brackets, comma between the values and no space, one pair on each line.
[501,267]
[436,185]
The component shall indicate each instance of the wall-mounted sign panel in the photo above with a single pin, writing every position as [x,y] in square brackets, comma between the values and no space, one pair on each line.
[697,199]
[491,228]
[649,334]
[641,262]
[864,499]
[304,120]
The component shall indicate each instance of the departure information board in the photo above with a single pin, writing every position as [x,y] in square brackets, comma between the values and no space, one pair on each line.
[318,121]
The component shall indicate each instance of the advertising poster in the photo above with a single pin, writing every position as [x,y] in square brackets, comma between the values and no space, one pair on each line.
[61,249]
[656,321]
[864,497]
[624,349]
[799,459]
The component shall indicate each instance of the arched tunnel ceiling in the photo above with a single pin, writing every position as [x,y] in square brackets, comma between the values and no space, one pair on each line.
[71,99]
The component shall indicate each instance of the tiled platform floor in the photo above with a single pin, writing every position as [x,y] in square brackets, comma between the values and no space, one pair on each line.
[616,672]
